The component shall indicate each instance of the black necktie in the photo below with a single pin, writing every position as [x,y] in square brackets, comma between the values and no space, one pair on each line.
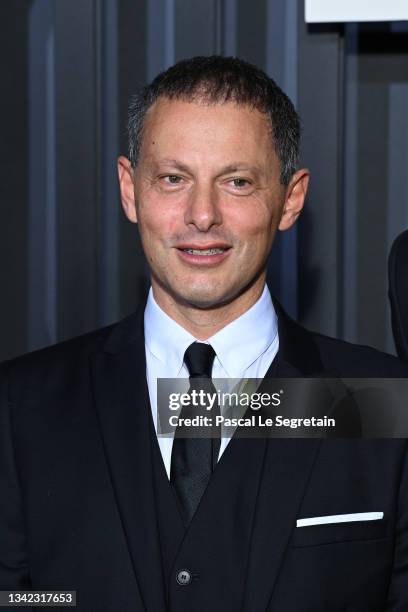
[193,459]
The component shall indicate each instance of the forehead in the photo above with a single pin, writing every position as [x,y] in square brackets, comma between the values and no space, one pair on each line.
[178,127]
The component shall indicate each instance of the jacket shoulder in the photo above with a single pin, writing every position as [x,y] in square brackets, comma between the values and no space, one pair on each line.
[61,361]
[357,360]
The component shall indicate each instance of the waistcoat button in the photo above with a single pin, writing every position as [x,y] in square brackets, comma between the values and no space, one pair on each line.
[184,577]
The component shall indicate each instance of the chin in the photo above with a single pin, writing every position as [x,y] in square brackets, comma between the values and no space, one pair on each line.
[205,298]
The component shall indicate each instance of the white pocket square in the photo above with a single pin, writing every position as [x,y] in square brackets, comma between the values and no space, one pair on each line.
[340,518]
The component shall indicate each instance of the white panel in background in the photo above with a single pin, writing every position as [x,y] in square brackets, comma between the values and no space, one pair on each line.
[317,11]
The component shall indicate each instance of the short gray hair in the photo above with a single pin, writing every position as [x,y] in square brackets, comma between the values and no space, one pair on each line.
[218,79]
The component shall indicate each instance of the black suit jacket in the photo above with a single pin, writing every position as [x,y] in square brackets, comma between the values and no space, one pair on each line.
[77,500]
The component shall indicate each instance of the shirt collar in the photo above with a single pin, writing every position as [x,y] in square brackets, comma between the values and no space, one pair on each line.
[255,330]
[240,343]
[165,339]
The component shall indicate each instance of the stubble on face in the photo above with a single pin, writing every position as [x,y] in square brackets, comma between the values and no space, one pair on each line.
[208,177]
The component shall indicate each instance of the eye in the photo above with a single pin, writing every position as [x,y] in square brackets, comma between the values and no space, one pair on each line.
[239,183]
[172,179]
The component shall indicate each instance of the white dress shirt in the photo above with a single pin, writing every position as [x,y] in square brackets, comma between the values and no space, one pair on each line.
[244,348]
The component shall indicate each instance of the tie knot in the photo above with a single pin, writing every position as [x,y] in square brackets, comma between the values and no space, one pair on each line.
[199,358]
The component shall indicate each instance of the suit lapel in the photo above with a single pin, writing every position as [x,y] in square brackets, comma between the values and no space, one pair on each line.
[287,469]
[121,395]
[297,350]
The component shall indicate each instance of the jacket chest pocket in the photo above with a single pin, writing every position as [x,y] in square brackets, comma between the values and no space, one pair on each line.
[330,533]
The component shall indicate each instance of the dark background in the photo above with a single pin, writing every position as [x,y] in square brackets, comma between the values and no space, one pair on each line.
[69,262]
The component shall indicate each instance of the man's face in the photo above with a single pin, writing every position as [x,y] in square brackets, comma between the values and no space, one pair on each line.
[207,197]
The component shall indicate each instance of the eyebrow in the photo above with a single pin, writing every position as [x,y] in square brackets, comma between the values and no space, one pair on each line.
[238,166]
[234,167]
[174,163]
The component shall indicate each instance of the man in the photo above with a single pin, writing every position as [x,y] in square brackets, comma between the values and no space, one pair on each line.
[94,500]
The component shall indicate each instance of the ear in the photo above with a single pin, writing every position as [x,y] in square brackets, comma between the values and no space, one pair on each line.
[127,191]
[294,198]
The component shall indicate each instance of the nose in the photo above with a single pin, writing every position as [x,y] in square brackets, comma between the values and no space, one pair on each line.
[203,210]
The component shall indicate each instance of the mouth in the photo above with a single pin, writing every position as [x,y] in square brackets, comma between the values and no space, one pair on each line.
[204,251]
[208,254]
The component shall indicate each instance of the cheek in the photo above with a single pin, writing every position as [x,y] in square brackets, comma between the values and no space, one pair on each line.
[254,224]
[159,221]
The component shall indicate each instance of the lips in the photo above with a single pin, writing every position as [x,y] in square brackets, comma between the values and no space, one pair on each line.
[207,249]
[203,254]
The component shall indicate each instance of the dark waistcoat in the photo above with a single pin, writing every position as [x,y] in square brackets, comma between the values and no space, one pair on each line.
[214,549]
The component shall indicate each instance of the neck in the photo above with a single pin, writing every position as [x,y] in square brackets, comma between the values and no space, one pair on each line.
[203,323]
